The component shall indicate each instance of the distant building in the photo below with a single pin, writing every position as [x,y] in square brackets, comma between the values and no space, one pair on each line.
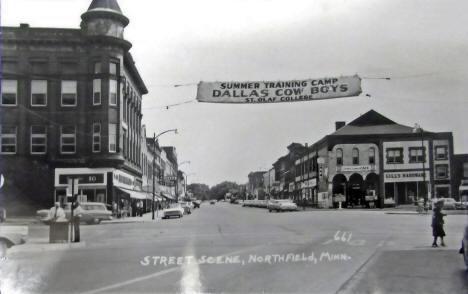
[374,160]
[255,185]
[285,170]
[460,179]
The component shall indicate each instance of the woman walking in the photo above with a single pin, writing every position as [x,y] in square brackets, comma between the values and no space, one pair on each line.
[438,224]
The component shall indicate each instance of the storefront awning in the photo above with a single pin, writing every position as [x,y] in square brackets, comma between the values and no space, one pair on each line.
[133,194]
[167,196]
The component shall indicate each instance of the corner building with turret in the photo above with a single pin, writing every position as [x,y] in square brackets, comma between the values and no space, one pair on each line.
[71,107]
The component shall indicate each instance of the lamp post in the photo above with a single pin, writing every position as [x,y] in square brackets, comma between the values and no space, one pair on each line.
[155,138]
[186,175]
[184,162]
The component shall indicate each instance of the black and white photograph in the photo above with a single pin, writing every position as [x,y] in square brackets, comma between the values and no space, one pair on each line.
[233,146]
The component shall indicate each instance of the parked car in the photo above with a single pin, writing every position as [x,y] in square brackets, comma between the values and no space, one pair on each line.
[93,213]
[449,203]
[281,205]
[461,205]
[464,246]
[175,210]
[187,206]
[11,236]
[213,202]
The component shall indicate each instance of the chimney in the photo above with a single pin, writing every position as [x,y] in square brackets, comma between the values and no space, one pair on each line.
[339,125]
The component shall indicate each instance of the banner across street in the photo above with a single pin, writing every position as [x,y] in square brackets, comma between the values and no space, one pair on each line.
[279,91]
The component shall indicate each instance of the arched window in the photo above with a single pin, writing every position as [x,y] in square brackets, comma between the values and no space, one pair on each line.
[371,155]
[339,156]
[355,156]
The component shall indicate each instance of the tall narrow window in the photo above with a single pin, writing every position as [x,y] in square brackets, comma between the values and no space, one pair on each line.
[355,156]
[441,171]
[339,156]
[113,68]
[441,153]
[38,93]
[9,92]
[124,109]
[97,68]
[69,93]
[112,138]
[8,139]
[96,137]
[371,155]
[96,92]
[113,92]
[68,139]
[38,139]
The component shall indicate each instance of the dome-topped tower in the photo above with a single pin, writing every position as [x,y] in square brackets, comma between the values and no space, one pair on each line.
[104,18]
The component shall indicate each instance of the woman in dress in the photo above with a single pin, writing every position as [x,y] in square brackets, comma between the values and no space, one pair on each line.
[438,224]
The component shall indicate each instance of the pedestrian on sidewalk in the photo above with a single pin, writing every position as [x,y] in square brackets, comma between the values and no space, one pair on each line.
[56,213]
[77,214]
[438,223]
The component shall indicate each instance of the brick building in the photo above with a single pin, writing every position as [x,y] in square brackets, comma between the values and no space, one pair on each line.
[376,160]
[71,105]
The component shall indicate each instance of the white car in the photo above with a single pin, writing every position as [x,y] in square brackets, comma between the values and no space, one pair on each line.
[92,213]
[176,210]
[449,203]
[281,205]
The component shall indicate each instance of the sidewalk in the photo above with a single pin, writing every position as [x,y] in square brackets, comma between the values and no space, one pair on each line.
[147,217]
[41,244]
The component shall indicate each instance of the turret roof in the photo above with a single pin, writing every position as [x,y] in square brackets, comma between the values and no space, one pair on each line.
[106,5]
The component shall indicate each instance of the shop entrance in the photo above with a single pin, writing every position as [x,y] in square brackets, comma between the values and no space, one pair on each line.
[356,190]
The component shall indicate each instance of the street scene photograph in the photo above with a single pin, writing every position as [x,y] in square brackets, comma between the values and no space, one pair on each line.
[233,146]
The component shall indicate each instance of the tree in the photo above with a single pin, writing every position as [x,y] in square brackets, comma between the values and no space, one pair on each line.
[218,191]
[200,191]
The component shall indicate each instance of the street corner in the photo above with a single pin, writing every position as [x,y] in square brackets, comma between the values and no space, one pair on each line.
[43,246]
[410,271]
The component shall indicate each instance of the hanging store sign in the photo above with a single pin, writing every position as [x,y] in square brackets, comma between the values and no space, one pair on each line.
[410,176]
[279,91]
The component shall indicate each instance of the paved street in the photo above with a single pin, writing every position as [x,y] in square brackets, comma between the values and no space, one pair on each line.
[226,248]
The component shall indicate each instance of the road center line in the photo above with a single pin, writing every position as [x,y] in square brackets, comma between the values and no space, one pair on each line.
[160,273]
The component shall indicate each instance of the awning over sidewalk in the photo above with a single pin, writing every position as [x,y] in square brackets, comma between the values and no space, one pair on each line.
[133,194]
[167,196]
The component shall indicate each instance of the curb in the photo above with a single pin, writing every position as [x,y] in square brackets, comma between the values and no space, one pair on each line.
[31,247]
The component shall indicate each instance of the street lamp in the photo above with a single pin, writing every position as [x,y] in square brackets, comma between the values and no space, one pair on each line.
[155,138]
[186,175]
[184,162]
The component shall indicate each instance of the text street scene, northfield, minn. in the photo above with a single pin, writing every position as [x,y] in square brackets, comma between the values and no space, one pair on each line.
[233,146]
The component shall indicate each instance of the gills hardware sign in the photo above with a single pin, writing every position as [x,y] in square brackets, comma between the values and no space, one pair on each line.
[279,91]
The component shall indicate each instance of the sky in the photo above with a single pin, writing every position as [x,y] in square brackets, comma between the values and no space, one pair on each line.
[421,45]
